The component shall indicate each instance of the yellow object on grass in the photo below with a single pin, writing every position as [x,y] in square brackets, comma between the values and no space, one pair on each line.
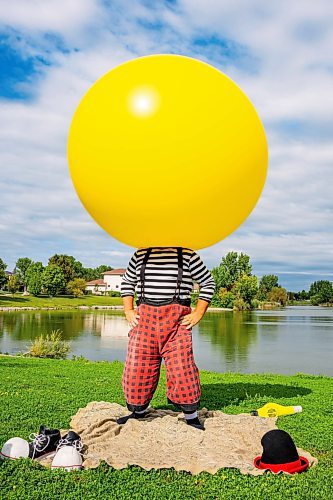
[166,150]
[276,410]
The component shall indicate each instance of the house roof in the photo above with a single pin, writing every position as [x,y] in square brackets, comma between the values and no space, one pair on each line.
[96,282]
[115,271]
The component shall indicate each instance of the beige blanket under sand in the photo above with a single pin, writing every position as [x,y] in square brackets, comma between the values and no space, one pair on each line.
[164,440]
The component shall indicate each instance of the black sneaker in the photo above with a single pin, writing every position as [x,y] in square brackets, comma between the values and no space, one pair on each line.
[45,443]
[123,420]
[195,422]
[71,439]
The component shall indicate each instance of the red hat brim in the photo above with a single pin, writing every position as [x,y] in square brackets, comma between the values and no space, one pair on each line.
[299,465]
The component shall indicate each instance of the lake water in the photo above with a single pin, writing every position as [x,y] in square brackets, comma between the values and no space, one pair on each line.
[290,340]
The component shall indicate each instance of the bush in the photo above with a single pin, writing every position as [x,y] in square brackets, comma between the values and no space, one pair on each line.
[226,298]
[76,287]
[50,346]
[114,293]
[278,294]
[13,284]
[255,303]
[241,305]
[315,299]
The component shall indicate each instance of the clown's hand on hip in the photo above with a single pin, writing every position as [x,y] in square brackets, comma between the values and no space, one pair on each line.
[191,319]
[132,317]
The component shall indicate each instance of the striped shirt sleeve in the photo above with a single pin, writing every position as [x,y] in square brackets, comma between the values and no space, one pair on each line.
[202,276]
[129,281]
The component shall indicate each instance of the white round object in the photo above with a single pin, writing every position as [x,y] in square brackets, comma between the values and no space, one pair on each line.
[67,458]
[14,448]
[297,409]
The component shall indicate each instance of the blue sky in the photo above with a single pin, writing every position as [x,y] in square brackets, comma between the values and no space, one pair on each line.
[279,53]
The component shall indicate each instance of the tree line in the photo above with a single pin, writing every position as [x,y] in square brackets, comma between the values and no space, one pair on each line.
[63,274]
[236,286]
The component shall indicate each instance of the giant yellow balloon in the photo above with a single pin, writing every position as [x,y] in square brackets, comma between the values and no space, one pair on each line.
[166,150]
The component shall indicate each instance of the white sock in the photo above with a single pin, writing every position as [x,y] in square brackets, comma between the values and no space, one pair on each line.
[140,412]
[189,416]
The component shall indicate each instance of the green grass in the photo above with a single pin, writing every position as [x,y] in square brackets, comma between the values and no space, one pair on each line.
[60,302]
[35,391]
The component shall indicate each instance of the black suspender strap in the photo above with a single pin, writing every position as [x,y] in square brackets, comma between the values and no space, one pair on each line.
[142,272]
[180,270]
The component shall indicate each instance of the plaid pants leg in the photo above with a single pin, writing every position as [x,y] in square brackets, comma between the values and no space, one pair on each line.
[183,381]
[143,361]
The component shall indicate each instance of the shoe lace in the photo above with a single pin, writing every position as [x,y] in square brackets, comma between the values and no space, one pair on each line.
[77,444]
[39,442]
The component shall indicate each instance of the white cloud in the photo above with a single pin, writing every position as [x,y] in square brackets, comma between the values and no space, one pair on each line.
[62,17]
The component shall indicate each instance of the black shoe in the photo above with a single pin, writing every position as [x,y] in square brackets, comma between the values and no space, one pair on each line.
[195,422]
[71,439]
[45,443]
[123,420]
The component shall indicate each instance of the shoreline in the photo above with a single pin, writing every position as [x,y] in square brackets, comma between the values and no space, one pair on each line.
[84,308]
[121,307]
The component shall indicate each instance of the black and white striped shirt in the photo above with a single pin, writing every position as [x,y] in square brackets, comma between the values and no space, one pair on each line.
[161,274]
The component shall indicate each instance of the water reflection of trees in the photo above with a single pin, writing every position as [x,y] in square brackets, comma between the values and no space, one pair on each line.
[28,325]
[231,332]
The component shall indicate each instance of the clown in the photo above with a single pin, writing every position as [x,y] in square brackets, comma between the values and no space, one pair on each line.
[161,327]
[169,156]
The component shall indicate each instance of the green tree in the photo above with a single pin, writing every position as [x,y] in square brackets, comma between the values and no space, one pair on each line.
[322,290]
[13,284]
[232,266]
[67,264]
[267,283]
[101,269]
[34,278]
[278,294]
[21,267]
[76,287]
[303,295]
[53,280]
[90,274]
[3,275]
[79,270]
[315,300]
[246,288]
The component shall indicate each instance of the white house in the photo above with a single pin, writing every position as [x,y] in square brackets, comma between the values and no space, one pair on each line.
[97,287]
[111,281]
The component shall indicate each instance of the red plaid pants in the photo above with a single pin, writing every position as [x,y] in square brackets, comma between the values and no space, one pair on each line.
[159,335]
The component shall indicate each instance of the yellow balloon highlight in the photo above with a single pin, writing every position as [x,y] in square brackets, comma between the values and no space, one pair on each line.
[166,150]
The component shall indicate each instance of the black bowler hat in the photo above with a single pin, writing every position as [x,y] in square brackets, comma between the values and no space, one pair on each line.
[280,453]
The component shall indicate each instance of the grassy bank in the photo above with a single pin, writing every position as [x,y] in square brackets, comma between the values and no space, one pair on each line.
[64,302]
[19,301]
[35,391]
